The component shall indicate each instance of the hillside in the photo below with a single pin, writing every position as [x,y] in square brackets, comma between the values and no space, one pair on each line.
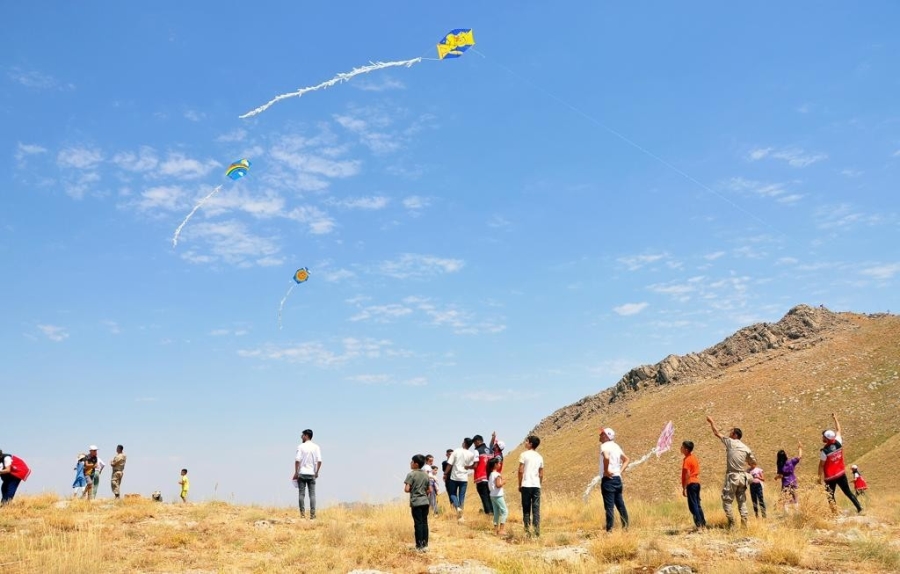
[778,382]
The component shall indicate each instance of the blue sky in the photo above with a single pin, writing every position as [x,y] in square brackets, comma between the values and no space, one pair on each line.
[483,247]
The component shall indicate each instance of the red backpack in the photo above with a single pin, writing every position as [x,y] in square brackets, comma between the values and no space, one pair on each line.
[18,468]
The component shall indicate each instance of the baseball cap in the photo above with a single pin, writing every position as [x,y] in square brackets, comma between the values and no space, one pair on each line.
[501,445]
[829,434]
[853,466]
[610,434]
[92,447]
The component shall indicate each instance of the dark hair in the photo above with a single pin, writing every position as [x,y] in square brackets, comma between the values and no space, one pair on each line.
[534,441]
[184,470]
[737,432]
[478,437]
[491,464]
[419,460]
[307,432]
[467,442]
[688,445]
[780,460]
[449,450]
[427,456]
[120,447]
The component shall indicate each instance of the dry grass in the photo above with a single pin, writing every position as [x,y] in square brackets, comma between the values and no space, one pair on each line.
[143,536]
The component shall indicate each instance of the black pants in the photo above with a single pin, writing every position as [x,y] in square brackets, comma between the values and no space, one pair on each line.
[611,488]
[484,492]
[756,495]
[841,481]
[420,524]
[531,507]
[693,500]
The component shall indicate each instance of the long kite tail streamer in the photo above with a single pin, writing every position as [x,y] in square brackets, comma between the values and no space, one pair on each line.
[643,459]
[594,482]
[663,443]
[281,307]
[191,214]
[342,77]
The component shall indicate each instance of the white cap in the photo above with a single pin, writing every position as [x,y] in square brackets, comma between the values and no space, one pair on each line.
[501,445]
[610,434]
[92,447]
[829,434]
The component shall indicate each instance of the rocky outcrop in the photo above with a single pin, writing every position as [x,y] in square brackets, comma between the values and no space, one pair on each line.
[802,327]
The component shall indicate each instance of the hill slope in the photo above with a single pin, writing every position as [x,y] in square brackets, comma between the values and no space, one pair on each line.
[778,382]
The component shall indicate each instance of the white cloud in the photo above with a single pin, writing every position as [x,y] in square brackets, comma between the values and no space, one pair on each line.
[713,256]
[851,172]
[371,379]
[236,135]
[167,197]
[316,353]
[883,272]
[416,202]
[612,368]
[219,332]
[79,157]
[143,161]
[499,395]
[795,157]
[229,241]
[382,313]
[372,203]
[462,322]
[179,166]
[54,332]
[776,191]
[263,206]
[318,222]
[113,327]
[24,151]
[416,266]
[36,80]
[635,262]
[844,216]
[194,116]
[498,222]
[630,308]
[385,83]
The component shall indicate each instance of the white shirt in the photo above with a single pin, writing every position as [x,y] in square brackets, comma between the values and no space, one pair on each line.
[492,482]
[533,462]
[459,460]
[6,462]
[309,455]
[614,452]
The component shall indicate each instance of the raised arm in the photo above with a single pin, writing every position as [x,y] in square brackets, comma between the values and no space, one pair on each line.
[837,425]
[712,425]
[799,449]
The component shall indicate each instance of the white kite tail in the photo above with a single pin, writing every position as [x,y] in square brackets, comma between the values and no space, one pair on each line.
[642,459]
[281,307]
[594,482]
[342,77]
[191,214]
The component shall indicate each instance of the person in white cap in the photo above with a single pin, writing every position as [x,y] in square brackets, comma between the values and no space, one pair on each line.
[96,465]
[831,466]
[613,463]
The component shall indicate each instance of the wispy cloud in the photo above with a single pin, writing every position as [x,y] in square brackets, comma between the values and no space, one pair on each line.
[882,272]
[144,160]
[318,354]
[416,266]
[635,262]
[236,135]
[226,332]
[166,197]
[498,222]
[230,242]
[318,222]
[37,80]
[371,203]
[844,216]
[112,326]
[630,308]
[382,313]
[776,191]
[499,395]
[416,202]
[383,84]
[79,157]
[381,379]
[24,151]
[795,157]
[714,255]
[194,115]
[54,332]
[180,166]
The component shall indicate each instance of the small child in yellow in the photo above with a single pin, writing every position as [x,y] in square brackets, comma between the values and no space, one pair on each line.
[185,484]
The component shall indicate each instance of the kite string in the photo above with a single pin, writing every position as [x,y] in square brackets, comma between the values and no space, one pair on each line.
[281,307]
[625,139]
[191,214]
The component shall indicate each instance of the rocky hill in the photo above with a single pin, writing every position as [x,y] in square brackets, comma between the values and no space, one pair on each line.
[779,382]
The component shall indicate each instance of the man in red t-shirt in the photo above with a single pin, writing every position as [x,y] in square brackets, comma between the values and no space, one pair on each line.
[831,466]
[481,477]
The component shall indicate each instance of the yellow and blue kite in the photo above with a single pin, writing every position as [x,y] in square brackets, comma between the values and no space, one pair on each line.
[455,43]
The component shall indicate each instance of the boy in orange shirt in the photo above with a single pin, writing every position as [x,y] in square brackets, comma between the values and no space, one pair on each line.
[690,483]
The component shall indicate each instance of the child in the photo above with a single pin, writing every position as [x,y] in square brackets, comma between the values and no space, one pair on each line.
[80,479]
[859,483]
[431,471]
[756,489]
[416,484]
[185,484]
[498,500]
[690,483]
[785,467]
[90,464]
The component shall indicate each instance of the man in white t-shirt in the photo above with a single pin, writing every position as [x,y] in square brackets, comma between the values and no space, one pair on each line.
[457,475]
[306,470]
[613,463]
[531,476]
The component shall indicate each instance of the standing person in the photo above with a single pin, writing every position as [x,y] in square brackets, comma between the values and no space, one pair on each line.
[90,466]
[431,471]
[8,477]
[785,467]
[531,477]
[737,457]
[481,474]
[756,489]
[445,464]
[185,484]
[80,480]
[859,483]
[613,463]
[306,470]
[99,465]
[690,483]
[497,448]
[118,469]
[457,475]
[416,484]
[498,499]
[831,466]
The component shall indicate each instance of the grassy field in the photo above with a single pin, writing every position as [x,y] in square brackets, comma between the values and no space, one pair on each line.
[43,534]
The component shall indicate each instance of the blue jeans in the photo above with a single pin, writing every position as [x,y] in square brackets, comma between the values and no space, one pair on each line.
[307,481]
[693,500]
[531,507]
[456,489]
[611,488]
[10,485]
[756,495]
